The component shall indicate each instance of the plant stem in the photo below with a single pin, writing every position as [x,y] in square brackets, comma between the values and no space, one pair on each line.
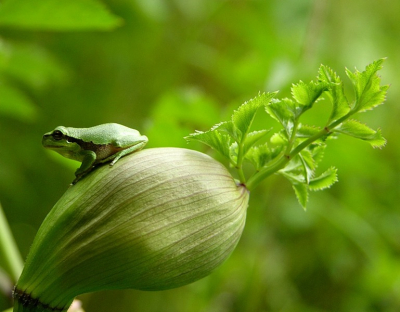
[266,172]
[293,136]
[8,250]
[307,142]
[239,165]
[284,159]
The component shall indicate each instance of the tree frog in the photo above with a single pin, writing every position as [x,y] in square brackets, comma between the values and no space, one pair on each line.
[95,145]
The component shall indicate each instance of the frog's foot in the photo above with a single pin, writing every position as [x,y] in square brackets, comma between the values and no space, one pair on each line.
[80,175]
[76,179]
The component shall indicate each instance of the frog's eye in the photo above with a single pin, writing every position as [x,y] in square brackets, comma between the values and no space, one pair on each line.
[57,135]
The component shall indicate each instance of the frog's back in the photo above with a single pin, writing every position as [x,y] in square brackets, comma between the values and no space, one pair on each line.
[102,134]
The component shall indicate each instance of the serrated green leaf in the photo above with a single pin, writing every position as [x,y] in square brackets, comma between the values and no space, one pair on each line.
[369,93]
[305,131]
[317,151]
[361,131]
[293,177]
[229,128]
[283,111]
[325,180]
[213,138]
[57,15]
[307,94]
[301,191]
[296,173]
[301,169]
[278,139]
[233,153]
[260,155]
[340,105]
[294,170]
[243,117]
[252,138]
[308,164]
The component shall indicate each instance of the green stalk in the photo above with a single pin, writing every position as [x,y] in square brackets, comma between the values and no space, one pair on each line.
[284,159]
[239,166]
[8,250]
[242,178]
[266,172]
[307,142]
[292,137]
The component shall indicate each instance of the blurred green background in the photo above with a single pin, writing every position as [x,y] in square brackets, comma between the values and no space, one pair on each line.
[167,68]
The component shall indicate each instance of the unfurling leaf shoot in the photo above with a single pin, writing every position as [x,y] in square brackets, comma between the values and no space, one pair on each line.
[295,151]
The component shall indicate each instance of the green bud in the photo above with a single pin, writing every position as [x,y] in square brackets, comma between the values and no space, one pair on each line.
[158,219]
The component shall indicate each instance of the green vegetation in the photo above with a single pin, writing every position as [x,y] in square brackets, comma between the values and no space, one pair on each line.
[296,150]
[168,68]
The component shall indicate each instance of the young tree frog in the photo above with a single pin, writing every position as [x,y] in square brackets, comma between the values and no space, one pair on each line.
[95,145]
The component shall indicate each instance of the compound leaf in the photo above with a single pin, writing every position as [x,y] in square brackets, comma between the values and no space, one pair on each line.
[340,105]
[369,93]
[305,131]
[308,164]
[213,138]
[361,131]
[317,151]
[301,191]
[252,138]
[243,117]
[325,180]
[227,127]
[260,155]
[307,94]
[283,111]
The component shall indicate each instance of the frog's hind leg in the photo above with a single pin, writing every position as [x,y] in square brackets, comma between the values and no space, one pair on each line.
[115,157]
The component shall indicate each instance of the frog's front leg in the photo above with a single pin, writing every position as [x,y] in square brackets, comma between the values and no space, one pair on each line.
[88,160]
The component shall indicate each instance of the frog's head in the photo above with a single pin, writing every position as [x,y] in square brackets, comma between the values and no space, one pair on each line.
[58,139]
